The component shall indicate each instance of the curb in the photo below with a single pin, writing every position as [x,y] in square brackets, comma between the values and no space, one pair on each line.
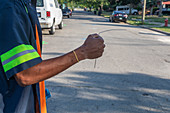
[163,32]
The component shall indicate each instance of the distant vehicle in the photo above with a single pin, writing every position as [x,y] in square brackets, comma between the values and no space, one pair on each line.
[118,16]
[126,9]
[165,11]
[67,12]
[49,14]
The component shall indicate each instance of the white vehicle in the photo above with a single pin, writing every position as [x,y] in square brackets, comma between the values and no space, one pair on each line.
[126,9]
[49,14]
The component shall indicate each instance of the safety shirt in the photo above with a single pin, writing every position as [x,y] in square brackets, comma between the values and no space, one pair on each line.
[18,52]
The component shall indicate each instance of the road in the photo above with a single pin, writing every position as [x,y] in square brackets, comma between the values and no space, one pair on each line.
[133,76]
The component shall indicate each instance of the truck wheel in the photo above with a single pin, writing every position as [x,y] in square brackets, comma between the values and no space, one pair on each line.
[60,26]
[52,29]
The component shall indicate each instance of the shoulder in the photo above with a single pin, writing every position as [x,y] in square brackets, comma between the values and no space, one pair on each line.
[13,7]
[6,9]
[6,4]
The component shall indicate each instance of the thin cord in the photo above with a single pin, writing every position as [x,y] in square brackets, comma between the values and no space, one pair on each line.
[95,62]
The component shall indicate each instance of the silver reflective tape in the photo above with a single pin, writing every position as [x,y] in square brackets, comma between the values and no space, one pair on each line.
[1,104]
[26,103]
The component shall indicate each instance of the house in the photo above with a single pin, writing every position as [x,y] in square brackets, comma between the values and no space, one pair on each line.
[166,4]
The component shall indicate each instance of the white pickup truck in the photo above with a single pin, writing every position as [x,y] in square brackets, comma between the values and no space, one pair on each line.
[126,9]
[49,14]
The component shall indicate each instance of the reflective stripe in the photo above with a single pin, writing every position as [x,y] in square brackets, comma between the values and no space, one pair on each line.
[26,9]
[1,103]
[15,51]
[26,102]
[20,60]
[17,55]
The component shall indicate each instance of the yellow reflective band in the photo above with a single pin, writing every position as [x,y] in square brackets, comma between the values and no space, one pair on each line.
[15,51]
[20,60]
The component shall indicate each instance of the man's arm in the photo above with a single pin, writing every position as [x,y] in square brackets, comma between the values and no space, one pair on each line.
[91,49]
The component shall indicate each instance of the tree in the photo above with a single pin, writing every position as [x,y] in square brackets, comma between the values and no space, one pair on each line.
[150,5]
[160,9]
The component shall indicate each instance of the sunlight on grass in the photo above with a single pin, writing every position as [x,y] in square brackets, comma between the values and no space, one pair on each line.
[166,29]
[138,23]
[106,14]
[136,20]
[150,18]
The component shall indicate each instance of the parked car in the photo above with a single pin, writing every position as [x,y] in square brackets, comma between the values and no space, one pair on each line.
[49,15]
[126,9]
[67,12]
[118,16]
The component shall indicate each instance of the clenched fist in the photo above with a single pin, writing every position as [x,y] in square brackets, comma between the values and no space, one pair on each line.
[93,47]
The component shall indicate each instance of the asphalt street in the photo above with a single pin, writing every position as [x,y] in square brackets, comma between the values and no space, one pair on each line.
[133,76]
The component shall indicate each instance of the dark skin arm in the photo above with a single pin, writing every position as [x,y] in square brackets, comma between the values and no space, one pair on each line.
[92,48]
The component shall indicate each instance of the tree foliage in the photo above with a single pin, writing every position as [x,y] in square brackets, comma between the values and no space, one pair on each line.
[109,3]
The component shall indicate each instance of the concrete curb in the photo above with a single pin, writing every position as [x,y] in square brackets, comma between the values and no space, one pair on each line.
[163,32]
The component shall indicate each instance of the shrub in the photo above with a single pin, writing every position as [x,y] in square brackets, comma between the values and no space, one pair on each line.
[105,7]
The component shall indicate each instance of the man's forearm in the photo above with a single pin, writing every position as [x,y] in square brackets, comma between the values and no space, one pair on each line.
[48,68]
[92,48]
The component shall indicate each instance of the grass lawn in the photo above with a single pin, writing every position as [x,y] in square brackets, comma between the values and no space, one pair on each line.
[106,14]
[150,18]
[166,29]
[138,23]
[136,20]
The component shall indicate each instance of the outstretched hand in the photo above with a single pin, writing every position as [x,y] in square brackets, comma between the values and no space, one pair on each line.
[93,46]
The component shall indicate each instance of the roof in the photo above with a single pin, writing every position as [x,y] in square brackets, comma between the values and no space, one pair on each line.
[168,2]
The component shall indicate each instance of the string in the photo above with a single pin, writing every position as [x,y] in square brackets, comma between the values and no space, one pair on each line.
[95,62]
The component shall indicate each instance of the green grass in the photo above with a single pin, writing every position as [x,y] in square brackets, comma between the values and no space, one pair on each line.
[150,18]
[106,14]
[138,23]
[132,18]
[166,29]
[158,19]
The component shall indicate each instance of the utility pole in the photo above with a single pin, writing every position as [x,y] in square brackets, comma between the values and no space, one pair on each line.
[160,8]
[143,13]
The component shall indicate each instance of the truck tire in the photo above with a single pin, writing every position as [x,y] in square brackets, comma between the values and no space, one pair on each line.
[52,29]
[60,26]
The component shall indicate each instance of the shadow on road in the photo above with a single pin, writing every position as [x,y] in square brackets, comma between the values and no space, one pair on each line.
[95,92]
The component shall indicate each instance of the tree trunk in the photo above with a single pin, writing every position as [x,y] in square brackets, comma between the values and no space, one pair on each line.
[151,11]
[160,9]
